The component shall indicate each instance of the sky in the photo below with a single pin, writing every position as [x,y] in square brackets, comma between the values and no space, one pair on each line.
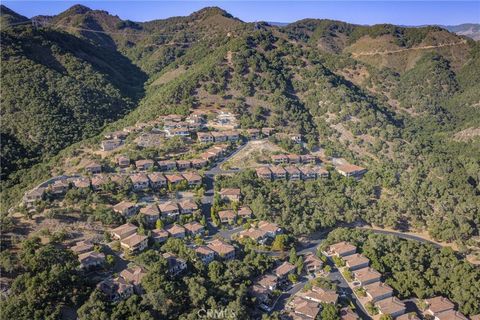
[446,12]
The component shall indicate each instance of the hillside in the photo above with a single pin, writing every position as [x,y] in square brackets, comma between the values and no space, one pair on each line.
[471,30]
[397,106]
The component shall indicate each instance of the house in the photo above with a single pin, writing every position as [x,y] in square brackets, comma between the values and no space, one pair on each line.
[193,228]
[125,208]
[437,305]
[294,158]
[268,131]
[279,159]
[173,117]
[144,164]
[267,281]
[311,263]
[157,180]
[278,173]
[256,235]
[208,157]
[82,183]
[219,136]
[91,260]
[304,308]
[82,247]
[230,194]
[178,132]
[176,231]
[283,270]
[391,306]
[356,261]
[205,254]
[110,144]
[193,179]
[134,276]
[167,165]
[450,315]
[116,289]
[140,181]
[123,161]
[293,173]
[253,134]
[217,153]
[307,173]
[33,196]
[347,314]
[264,173]
[319,295]
[367,276]
[183,164]
[168,209]
[308,159]
[271,229]
[227,216]
[99,181]
[205,137]
[159,235]
[378,291]
[321,172]
[59,187]
[297,138]
[174,179]
[117,179]
[232,135]
[123,231]
[134,243]
[222,249]
[350,170]
[244,213]
[199,163]
[261,294]
[187,206]
[150,213]
[175,264]
[93,168]
[342,249]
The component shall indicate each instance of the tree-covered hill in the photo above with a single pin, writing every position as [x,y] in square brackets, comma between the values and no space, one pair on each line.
[58,89]
[391,98]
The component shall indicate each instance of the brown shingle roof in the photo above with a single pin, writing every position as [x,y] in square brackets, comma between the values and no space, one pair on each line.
[284,269]
[390,305]
[377,289]
[439,304]
[356,260]
[221,247]
[342,247]
[366,274]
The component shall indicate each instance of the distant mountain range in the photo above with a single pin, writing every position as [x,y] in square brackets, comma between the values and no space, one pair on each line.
[471,30]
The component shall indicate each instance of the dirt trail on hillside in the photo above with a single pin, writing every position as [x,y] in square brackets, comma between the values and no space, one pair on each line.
[408,49]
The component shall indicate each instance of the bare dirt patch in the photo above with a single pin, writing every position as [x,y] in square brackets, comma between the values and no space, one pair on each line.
[253,155]
[467,134]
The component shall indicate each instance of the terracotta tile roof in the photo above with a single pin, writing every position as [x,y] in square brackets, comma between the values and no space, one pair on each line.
[349,168]
[226,214]
[244,211]
[276,170]
[377,289]
[439,304]
[366,274]
[193,226]
[267,280]
[123,205]
[176,229]
[203,250]
[133,240]
[312,260]
[347,314]
[188,204]
[150,210]
[221,247]
[159,233]
[174,178]
[390,305]
[268,226]
[255,234]
[134,274]
[142,162]
[284,269]
[124,229]
[156,177]
[292,170]
[342,247]
[192,176]
[167,206]
[139,177]
[308,308]
[356,260]
[320,295]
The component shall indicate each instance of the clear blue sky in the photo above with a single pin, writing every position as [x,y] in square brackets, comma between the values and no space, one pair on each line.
[361,12]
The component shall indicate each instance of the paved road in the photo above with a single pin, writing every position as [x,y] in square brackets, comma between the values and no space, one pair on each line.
[403,236]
